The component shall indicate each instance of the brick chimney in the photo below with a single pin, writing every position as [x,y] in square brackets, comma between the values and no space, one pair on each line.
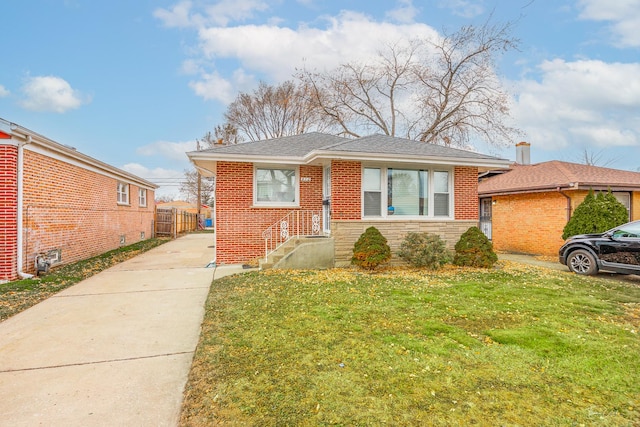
[523,153]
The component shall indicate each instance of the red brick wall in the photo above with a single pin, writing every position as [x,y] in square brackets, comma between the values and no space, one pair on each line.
[8,211]
[529,223]
[466,193]
[75,210]
[346,197]
[239,225]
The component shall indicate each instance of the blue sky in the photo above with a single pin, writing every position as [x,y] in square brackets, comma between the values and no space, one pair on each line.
[134,83]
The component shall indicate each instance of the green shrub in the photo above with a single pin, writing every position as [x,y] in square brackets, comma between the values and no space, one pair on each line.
[424,250]
[371,249]
[474,250]
[596,214]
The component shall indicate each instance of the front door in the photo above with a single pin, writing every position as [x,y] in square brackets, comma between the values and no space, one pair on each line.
[485,217]
[326,200]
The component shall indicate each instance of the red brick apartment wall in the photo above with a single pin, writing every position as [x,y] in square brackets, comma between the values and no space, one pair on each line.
[466,193]
[529,223]
[239,224]
[8,211]
[75,210]
[346,185]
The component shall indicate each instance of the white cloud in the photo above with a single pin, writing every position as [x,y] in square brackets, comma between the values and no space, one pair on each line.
[179,16]
[623,15]
[174,151]
[581,104]
[275,52]
[4,92]
[168,179]
[183,14]
[463,8]
[404,13]
[232,58]
[50,93]
[211,86]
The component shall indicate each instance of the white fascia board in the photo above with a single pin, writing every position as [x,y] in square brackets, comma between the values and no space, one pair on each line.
[49,148]
[196,157]
[372,157]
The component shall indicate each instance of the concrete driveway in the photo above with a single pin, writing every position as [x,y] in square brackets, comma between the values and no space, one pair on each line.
[113,350]
[532,260]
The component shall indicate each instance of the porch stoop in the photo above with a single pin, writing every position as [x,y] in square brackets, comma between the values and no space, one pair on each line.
[299,253]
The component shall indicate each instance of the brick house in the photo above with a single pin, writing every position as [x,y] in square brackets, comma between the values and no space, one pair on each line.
[345,185]
[524,209]
[62,204]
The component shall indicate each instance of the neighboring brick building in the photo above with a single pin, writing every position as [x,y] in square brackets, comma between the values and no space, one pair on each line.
[346,185]
[63,204]
[525,209]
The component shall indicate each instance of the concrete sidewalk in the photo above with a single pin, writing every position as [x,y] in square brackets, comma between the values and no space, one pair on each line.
[113,350]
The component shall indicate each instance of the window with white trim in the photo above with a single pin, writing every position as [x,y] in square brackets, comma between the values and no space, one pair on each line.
[393,192]
[275,186]
[625,199]
[123,193]
[142,197]
[372,192]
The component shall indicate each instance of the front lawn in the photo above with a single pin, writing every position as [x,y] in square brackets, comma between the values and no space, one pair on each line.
[517,345]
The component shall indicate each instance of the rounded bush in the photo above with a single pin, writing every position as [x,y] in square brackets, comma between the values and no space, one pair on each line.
[424,250]
[474,250]
[371,249]
[596,214]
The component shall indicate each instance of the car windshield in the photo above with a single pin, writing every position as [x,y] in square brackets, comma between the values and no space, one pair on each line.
[631,230]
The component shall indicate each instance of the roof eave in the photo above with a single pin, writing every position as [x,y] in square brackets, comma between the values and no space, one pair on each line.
[196,156]
[24,134]
[377,157]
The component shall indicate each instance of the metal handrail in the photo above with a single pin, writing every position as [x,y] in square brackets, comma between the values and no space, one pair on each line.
[299,223]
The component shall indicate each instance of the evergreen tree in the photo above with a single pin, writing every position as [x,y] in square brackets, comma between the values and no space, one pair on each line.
[371,249]
[474,250]
[596,214]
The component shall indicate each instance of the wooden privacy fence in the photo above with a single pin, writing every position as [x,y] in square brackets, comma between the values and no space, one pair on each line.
[173,222]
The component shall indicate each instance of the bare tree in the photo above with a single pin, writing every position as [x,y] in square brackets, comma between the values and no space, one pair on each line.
[444,91]
[222,135]
[274,111]
[591,158]
[226,134]
[189,188]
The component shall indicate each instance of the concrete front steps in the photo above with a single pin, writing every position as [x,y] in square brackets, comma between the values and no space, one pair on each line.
[299,253]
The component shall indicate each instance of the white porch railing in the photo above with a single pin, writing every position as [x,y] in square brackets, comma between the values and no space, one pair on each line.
[294,224]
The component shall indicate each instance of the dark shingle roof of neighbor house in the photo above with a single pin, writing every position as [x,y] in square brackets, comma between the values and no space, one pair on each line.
[313,145]
[556,174]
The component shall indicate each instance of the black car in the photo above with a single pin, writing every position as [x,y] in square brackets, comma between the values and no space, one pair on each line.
[616,250]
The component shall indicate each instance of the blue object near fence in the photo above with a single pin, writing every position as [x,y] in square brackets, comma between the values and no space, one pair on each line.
[208,222]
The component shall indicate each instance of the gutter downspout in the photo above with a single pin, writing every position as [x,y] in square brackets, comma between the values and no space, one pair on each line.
[568,203]
[20,242]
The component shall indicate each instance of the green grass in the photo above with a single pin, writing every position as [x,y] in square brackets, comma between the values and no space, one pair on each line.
[516,345]
[22,294]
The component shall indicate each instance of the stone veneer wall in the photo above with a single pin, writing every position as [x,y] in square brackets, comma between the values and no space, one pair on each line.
[346,233]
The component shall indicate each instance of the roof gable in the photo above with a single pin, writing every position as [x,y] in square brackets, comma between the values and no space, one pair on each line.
[556,174]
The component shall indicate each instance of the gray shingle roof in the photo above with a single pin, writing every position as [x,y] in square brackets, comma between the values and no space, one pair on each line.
[322,145]
[384,144]
[288,146]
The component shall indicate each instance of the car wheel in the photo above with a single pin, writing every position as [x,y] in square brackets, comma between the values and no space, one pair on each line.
[582,262]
